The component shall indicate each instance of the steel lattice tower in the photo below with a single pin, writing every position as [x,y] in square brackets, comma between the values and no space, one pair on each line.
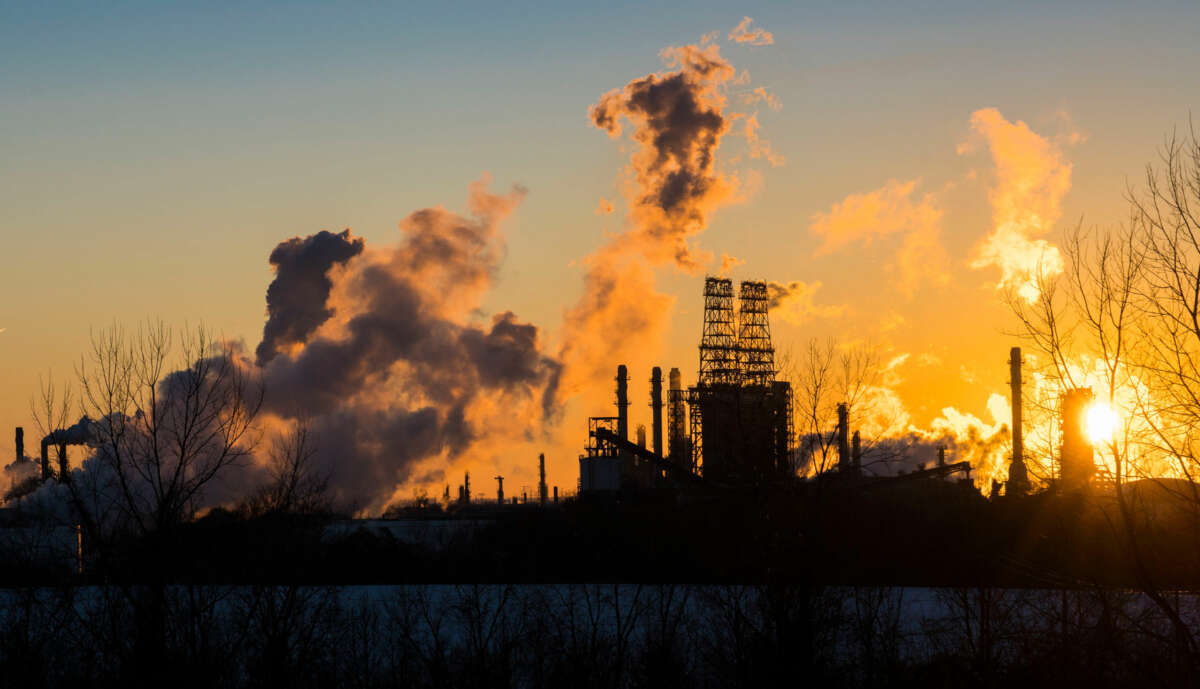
[718,341]
[756,355]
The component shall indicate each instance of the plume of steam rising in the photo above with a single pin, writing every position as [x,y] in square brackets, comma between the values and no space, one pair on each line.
[296,298]
[672,187]
[678,125]
[1031,179]
[395,375]
[795,302]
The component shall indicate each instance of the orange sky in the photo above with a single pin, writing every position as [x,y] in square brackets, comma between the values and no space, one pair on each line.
[894,187]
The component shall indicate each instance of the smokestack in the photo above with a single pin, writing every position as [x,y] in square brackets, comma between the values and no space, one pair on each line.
[467,487]
[941,455]
[556,495]
[63,470]
[856,452]
[843,437]
[542,478]
[623,402]
[46,458]
[681,454]
[1018,477]
[1077,454]
[20,443]
[500,489]
[641,435]
[656,407]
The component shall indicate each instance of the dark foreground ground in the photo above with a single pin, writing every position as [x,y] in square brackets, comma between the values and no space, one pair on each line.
[926,584]
[920,534]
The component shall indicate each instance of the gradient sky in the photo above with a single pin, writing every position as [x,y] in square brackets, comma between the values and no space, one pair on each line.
[153,155]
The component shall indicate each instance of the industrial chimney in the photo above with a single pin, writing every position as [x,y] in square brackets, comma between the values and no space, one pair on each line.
[542,478]
[681,454]
[500,489]
[656,407]
[20,443]
[641,435]
[856,452]
[843,437]
[46,458]
[1018,477]
[1077,454]
[623,402]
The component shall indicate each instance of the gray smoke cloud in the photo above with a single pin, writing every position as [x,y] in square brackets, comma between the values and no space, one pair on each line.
[678,124]
[402,374]
[296,297]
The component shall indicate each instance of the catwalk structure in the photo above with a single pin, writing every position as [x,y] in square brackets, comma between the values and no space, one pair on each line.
[733,427]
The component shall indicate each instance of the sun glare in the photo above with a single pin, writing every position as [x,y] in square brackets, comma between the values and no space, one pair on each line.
[1101,422]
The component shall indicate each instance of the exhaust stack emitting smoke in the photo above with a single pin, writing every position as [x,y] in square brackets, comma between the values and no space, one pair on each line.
[673,184]
[384,353]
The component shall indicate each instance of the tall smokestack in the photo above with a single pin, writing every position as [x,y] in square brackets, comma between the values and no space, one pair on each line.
[843,437]
[623,402]
[856,452]
[64,473]
[20,443]
[46,458]
[467,487]
[1077,456]
[641,435]
[656,407]
[542,478]
[500,489]
[1018,477]
[681,454]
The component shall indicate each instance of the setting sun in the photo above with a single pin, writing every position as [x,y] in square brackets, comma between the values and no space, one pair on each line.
[1100,423]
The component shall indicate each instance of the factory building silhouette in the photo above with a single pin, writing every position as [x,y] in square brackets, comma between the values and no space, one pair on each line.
[733,427]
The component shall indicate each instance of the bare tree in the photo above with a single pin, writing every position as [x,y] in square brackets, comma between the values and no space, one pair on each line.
[296,486]
[823,376]
[173,410]
[52,408]
[1128,305]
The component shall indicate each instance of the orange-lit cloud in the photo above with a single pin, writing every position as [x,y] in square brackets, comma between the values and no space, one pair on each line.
[761,95]
[1032,176]
[795,302]
[742,33]
[678,124]
[672,185]
[760,148]
[389,365]
[894,209]
[728,263]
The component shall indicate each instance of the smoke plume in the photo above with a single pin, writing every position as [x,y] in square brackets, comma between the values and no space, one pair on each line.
[678,125]
[1031,179]
[672,186]
[397,374]
[296,298]
[795,302]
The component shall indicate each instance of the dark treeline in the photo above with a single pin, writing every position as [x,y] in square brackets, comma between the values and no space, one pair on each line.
[923,533]
[583,635]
